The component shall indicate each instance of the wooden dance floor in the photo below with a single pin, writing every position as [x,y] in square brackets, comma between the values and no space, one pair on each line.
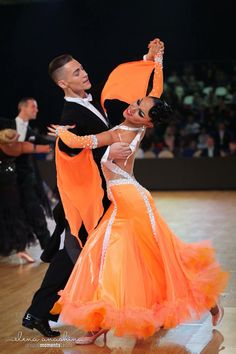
[193,216]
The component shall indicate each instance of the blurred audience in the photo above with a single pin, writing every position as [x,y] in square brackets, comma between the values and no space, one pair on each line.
[203,98]
[211,150]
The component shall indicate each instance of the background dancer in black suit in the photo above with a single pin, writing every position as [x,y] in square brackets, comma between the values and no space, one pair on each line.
[34,197]
[16,232]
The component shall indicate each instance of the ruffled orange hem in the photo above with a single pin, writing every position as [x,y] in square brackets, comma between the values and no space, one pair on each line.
[92,316]
[141,322]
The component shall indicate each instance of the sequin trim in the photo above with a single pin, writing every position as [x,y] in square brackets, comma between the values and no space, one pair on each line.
[149,209]
[119,181]
[107,237]
[91,268]
[159,59]
[95,142]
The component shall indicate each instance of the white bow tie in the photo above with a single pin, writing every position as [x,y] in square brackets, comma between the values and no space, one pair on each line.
[87,99]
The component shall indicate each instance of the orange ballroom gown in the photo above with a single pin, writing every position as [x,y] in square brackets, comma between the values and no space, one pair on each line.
[133,274]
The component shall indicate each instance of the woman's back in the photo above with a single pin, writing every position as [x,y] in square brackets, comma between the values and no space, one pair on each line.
[123,168]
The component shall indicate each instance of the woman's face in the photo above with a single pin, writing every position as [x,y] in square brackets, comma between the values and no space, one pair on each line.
[137,112]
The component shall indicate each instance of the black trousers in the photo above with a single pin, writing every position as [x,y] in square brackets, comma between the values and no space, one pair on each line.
[57,276]
[54,280]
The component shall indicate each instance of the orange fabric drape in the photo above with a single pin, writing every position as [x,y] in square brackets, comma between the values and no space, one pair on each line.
[80,186]
[129,81]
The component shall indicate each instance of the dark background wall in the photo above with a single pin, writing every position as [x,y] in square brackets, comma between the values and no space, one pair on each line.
[102,34]
[172,174]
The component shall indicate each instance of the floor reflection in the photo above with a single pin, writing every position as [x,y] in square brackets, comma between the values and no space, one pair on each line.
[159,344]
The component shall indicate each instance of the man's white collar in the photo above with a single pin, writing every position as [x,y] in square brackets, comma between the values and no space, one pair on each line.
[82,100]
[22,121]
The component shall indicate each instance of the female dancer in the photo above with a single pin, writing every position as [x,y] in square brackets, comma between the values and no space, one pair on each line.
[134,274]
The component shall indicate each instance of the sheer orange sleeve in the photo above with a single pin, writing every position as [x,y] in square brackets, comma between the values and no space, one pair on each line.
[129,81]
[157,87]
[85,142]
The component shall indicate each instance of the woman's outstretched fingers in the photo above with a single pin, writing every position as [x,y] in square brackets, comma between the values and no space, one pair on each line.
[51,131]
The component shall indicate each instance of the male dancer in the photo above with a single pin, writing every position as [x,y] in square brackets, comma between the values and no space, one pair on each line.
[70,76]
[81,110]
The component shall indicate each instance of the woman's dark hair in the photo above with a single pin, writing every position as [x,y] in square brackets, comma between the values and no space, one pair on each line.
[160,113]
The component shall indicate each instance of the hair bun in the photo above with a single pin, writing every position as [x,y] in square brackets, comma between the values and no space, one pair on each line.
[160,112]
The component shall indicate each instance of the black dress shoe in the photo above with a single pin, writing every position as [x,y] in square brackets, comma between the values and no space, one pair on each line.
[41,325]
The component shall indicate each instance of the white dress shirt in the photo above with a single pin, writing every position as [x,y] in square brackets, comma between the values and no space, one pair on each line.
[21,128]
[86,103]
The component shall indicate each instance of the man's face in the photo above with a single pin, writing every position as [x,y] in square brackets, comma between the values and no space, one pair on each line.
[30,109]
[74,79]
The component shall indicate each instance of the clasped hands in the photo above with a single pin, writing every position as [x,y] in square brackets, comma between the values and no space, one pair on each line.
[156,48]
